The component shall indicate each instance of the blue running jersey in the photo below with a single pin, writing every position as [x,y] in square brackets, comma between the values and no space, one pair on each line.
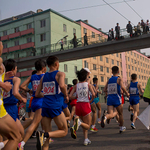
[8,97]
[53,98]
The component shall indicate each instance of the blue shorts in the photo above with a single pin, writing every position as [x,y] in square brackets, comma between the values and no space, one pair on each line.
[51,113]
[27,106]
[36,104]
[96,100]
[134,100]
[12,110]
[113,101]
[64,105]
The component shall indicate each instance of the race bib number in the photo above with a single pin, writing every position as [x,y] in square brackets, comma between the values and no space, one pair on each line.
[82,92]
[133,90]
[6,94]
[35,84]
[49,88]
[112,88]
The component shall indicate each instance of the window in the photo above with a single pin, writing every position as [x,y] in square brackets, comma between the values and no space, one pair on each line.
[128,66]
[141,70]
[120,64]
[135,69]
[95,76]
[141,64]
[64,28]
[101,68]
[94,57]
[16,55]
[116,54]
[4,45]
[107,78]
[66,80]
[74,30]
[17,43]
[43,23]
[101,58]
[16,29]
[107,60]
[132,68]
[128,59]
[129,74]
[138,62]
[43,37]
[137,56]
[29,39]
[4,32]
[93,35]
[28,53]
[112,61]
[99,36]
[94,66]
[120,55]
[75,69]
[140,57]
[144,71]
[43,50]
[131,53]
[139,76]
[85,64]
[135,61]
[65,40]
[117,63]
[132,60]
[84,30]
[138,69]
[29,26]
[65,68]
[134,55]
[107,70]
[102,79]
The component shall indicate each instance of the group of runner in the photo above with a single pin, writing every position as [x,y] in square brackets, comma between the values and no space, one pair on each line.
[49,101]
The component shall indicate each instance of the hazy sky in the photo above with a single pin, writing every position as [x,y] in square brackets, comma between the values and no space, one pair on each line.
[101,16]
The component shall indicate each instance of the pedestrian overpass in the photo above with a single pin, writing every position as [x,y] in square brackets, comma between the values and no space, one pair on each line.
[96,49]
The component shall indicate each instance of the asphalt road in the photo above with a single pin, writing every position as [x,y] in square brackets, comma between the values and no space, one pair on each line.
[108,138]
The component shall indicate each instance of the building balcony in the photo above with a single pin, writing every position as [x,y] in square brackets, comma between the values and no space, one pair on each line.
[26,73]
[4,38]
[14,35]
[27,45]
[5,50]
[27,32]
[14,48]
[18,74]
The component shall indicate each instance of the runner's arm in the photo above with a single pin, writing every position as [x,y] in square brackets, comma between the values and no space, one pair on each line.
[16,82]
[92,92]
[72,92]
[105,88]
[38,92]
[128,86]
[25,83]
[140,88]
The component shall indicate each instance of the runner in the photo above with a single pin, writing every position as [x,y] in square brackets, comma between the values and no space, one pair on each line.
[112,90]
[83,109]
[8,126]
[12,97]
[134,87]
[36,105]
[52,83]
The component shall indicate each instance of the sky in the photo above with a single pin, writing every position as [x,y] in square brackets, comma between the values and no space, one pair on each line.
[96,12]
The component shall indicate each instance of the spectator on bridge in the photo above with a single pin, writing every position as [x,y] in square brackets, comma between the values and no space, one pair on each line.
[74,41]
[129,28]
[139,29]
[109,36]
[85,39]
[62,44]
[143,25]
[112,34]
[117,29]
[135,31]
[147,26]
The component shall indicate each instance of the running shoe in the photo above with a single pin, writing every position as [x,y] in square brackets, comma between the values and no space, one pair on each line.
[19,147]
[133,126]
[33,134]
[122,129]
[76,126]
[108,121]
[87,142]
[98,121]
[73,133]
[39,143]
[105,112]
[94,129]
[131,117]
[51,140]
[103,122]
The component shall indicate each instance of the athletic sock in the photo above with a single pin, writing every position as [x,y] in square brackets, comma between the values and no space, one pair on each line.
[79,122]
[22,144]
[1,145]
[86,140]
[132,123]
[46,135]
[105,117]
[93,126]
[68,121]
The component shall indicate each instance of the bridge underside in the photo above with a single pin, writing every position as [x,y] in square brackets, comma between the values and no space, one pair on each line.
[91,50]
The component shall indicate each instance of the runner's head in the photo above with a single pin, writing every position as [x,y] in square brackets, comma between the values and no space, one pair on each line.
[11,65]
[115,70]
[74,81]
[82,75]
[133,76]
[40,65]
[95,80]
[53,61]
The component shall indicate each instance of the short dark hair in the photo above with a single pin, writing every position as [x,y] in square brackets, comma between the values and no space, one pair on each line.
[74,81]
[133,76]
[115,69]
[10,64]
[51,60]
[40,64]
[95,79]
[34,72]
[82,75]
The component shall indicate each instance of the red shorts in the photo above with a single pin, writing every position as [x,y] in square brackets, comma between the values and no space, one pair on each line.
[73,102]
[122,97]
[83,108]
